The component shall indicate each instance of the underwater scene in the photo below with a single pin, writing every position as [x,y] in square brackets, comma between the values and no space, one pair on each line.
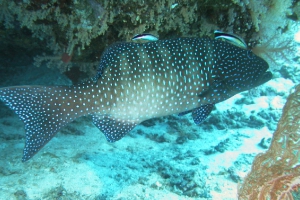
[158,100]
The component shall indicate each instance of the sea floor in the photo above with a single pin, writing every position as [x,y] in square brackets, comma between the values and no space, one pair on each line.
[163,158]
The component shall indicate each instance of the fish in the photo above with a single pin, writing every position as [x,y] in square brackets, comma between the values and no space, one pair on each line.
[144,37]
[136,82]
[231,38]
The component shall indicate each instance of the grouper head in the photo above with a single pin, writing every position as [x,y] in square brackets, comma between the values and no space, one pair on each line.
[237,70]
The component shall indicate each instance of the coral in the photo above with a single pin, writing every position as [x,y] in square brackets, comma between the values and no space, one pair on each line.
[5,15]
[269,22]
[296,10]
[83,29]
[65,25]
[267,14]
[221,147]
[276,173]
[269,52]
[69,27]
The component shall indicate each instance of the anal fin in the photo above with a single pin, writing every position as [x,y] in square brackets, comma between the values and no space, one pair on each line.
[113,129]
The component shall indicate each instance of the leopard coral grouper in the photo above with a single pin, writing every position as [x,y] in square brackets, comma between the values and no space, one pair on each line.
[136,82]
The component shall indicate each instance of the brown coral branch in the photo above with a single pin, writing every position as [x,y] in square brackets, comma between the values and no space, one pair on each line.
[281,187]
[270,52]
[276,173]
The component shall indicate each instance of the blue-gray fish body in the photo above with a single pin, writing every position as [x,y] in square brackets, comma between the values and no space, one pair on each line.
[136,82]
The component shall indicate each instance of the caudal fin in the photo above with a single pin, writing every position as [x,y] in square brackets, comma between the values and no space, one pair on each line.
[44,110]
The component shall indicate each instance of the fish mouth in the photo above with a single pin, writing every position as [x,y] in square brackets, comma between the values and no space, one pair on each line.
[264,78]
[266,75]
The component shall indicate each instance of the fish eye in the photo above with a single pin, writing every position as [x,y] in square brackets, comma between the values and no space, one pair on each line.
[250,54]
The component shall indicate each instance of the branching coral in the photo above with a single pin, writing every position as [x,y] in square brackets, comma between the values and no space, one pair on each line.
[272,50]
[270,21]
[276,173]
[67,26]
[267,15]
[5,15]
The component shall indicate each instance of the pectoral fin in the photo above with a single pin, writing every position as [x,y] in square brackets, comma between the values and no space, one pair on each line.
[201,113]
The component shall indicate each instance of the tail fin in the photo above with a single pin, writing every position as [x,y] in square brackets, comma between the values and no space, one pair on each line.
[43,110]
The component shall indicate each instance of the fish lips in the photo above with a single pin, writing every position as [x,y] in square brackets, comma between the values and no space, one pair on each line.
[266,75]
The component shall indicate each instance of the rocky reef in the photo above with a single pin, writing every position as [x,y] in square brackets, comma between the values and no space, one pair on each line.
[66,34]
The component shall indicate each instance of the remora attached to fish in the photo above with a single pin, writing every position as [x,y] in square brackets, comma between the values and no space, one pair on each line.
[136,82]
